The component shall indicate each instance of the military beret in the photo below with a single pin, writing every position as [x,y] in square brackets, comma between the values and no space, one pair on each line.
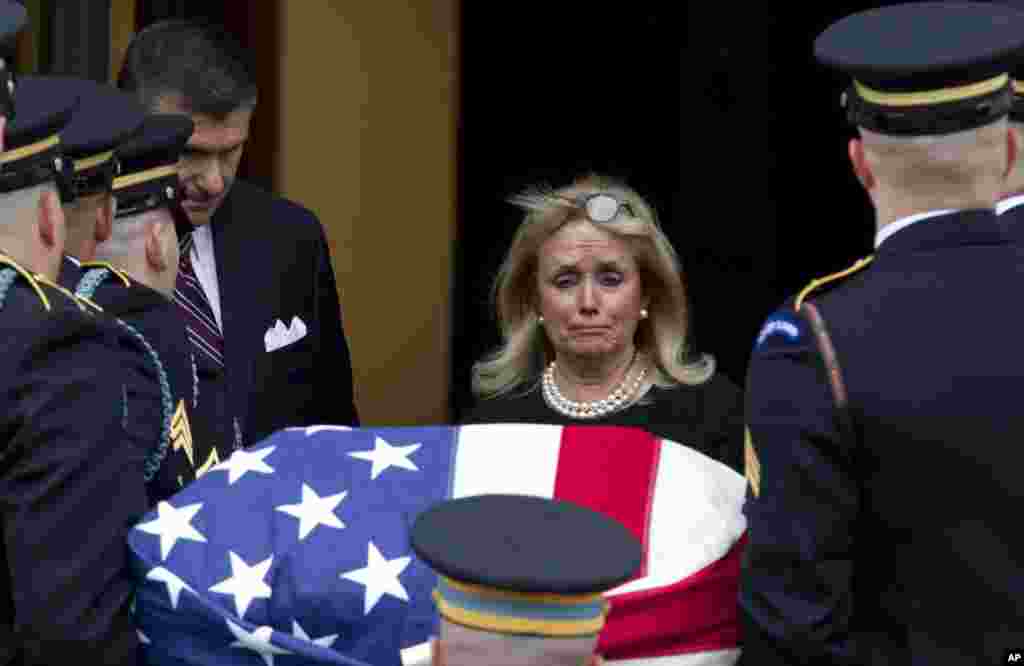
[149,164]
[926,67]
[105,118]
[32,148]
[524,565]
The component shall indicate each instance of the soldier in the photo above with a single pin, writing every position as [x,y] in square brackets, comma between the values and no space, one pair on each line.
[105,118]
[70,470]
[521,578]
[883,447]
[133,280]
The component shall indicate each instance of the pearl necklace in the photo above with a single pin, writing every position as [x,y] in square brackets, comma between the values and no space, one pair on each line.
[618,399]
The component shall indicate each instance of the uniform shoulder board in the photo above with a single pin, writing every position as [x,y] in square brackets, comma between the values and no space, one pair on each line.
[94,273]
[818,283]
[10,271]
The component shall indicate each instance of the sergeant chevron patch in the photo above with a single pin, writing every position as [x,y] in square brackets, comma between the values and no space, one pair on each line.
[751,465]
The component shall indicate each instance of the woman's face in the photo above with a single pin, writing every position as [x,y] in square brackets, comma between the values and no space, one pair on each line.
[589,290]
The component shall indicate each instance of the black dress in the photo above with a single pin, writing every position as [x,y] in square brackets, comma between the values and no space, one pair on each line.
[707,418]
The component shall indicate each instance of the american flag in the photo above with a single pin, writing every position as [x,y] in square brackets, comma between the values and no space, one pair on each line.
[296,551]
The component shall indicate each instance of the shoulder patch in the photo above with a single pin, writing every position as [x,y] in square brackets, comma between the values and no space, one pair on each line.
[751,465]
[781,323]
[818,283]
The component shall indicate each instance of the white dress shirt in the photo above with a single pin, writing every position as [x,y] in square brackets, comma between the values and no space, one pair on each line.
[204,264]
[904,222]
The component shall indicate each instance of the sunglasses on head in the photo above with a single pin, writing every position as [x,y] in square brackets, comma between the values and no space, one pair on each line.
[601,207]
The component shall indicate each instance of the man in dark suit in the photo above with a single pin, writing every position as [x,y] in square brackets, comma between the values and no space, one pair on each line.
[884,420]
[256,283]
[71,467]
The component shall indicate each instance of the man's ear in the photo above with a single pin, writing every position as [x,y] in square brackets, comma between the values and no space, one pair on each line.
[156,247]
[51,222]
[437,653]
[859,161]
[104,220]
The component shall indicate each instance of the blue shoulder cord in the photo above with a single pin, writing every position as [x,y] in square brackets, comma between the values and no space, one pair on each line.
[7,278]
[86,288]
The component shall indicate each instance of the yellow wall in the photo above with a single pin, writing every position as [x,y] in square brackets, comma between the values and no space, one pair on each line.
[367,140]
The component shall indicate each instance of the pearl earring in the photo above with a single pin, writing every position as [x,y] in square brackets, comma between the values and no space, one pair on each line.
[540,319]
[643,313]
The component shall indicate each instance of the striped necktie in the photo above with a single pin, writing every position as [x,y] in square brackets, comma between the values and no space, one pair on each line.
[201,325]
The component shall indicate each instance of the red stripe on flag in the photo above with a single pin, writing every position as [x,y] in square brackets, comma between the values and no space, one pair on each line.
[697,614]
[610,469]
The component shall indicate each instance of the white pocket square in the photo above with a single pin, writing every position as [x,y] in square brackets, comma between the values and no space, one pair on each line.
[279,335]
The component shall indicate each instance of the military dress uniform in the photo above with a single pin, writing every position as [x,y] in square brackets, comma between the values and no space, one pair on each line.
[71,461]
[884,419]
[147,180]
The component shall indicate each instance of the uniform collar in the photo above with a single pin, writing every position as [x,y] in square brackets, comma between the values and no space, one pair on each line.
[978,226]
[904,222]
[1009,203]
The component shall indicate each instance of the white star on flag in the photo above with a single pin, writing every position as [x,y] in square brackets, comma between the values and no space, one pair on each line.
[241,462]
[258,641]
[246,583]
[173,524]
[384,456]
[380,576]
[300,633]
[314,510]
[174,584]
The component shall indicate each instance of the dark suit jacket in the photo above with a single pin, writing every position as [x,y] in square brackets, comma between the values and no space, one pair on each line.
[888,531]
[273,263]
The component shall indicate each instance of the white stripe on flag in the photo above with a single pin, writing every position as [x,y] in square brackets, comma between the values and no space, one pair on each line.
[695,518]
[519,459]
[715,658]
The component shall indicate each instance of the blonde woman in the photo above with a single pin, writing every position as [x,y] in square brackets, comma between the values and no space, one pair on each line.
[592,311]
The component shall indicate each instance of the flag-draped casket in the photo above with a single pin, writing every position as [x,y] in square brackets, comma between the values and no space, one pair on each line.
[296,550]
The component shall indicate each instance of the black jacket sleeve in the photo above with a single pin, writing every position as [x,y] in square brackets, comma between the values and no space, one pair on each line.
[796,596]
[72,489]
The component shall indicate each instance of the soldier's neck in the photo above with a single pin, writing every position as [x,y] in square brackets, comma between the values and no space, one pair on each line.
[889,209]
[27,254]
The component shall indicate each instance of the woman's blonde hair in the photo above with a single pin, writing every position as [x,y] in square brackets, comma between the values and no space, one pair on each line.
[525,350]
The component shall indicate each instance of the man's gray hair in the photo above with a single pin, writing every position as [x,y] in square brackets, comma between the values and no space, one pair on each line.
[17,206]
[128,235]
